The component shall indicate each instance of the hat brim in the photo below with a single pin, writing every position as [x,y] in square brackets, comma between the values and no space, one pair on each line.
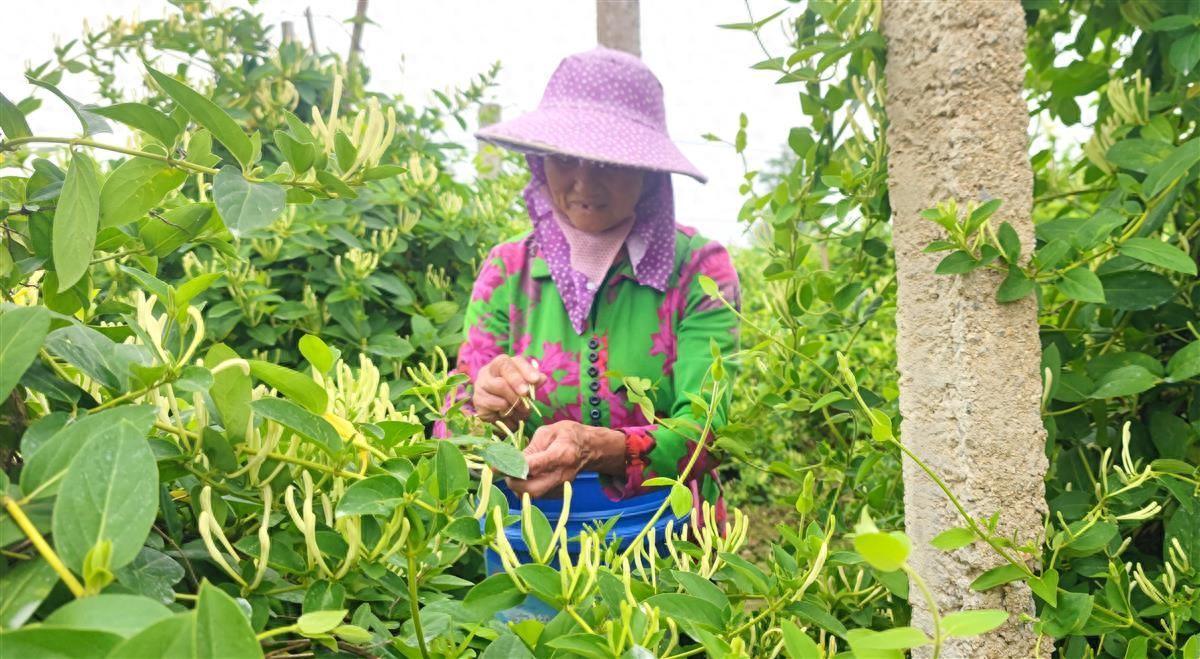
[592,135]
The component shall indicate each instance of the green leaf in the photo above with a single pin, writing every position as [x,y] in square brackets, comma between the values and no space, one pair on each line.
[952,539]
[1045,586]
[1156,252]
[110,492]
[320,622]
[590,646]
[300,155]
[1137,154]
[681,500]
[121,614]
[507,646]
[962,624]
[506,459]
[1097,228]
[491,596]
[884,551]
[22,332]
[90,121]
[12,120]
[317,353]
[1081,284]
[307,425]
[1124,381]
[164,235]
[246,207]
[23,586]
[997,576]
[230,391]
[981,214]
[956,263]
[1015,286]
[76,219]
[134,188]
[706,590]
[542,579]
[44,642]
[897,638]
[1069,616]
[208,114]
[170,638]
[45,468]
[1133,290]
[222,630]
[296,386]
[1185,54]
[377,495]
[144,118]
[151,573]
[683,607]
[1010,243]
[1173,166]
[1185,363]
[797,644]
[344,150]
[450,471]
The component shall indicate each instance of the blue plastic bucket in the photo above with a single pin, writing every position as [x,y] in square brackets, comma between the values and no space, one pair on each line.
[590,507]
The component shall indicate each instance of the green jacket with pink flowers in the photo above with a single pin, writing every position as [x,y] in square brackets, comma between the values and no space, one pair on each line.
[633,330]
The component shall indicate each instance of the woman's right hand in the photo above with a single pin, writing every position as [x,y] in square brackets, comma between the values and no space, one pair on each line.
[500,386]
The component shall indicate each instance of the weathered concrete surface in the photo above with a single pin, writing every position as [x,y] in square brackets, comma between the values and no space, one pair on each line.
[619,25]
[969,381]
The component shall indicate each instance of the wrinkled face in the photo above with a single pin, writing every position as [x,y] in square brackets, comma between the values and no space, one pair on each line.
[593,196]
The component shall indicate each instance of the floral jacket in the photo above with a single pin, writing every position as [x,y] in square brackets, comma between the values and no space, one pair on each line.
[632,330]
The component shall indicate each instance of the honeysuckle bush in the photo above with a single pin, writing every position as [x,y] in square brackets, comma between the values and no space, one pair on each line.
[1114,273]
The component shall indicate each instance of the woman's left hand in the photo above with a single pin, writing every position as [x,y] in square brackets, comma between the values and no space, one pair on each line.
[559,451]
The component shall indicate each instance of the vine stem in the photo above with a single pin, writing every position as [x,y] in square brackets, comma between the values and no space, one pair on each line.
[43,547]
[933,607]
[276,632]
[414,605]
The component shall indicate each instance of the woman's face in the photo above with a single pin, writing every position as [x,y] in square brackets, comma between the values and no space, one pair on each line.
[592,195]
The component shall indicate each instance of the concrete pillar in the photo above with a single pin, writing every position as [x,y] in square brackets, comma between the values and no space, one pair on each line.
[969,366]
[618,25]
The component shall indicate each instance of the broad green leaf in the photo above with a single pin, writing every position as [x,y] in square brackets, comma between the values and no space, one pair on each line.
[681,500]
[307,425]
[491,596]
[134,188]
[1097,228]
[450,471]
[121,614]
[1156,252]
[952,539]
[316,352]
[1010,243]
[222,630]
[1137,154]
[1069,616]
[208,114]
[12,120]
[91,352]
[377,495]
[1081,284]
[244,206]
[142,117]
[299,154]
[1173,166]
[589,646]
[22,331]
[507,646]
[1185,363]
[897,638]
[320,622]
[997,576]
[164,235]
[23,586]
[76,219]
[506,459]
[44,470]
[296,386]
[963,624]
[110,492]
[884,551]
[170,638]
[542,579]
[690,608]
[797,644]
[344,149]
[956,263]
[706,590]
[1015,286]
[1132,290]
[1124,381]
[46,642]
[230,391]
[90,121]
[1045,586]
[151,573]
[1185,54]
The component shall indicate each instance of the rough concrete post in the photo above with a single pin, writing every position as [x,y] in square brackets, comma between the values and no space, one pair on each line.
[969,382]
[618,25]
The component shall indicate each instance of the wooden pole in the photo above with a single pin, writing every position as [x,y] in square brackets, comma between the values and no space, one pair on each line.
[289,32]
[488,163]
[970,390]
[312,30]
[360,19]
[618,25]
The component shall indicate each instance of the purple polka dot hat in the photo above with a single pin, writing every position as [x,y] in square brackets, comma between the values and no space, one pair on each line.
[602,105]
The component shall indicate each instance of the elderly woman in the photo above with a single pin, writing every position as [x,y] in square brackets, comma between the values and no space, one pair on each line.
[605,286]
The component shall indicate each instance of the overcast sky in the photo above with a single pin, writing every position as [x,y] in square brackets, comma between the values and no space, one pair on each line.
[419,46]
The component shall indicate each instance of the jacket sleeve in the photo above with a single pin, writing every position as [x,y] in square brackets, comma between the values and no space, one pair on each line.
[665,448]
